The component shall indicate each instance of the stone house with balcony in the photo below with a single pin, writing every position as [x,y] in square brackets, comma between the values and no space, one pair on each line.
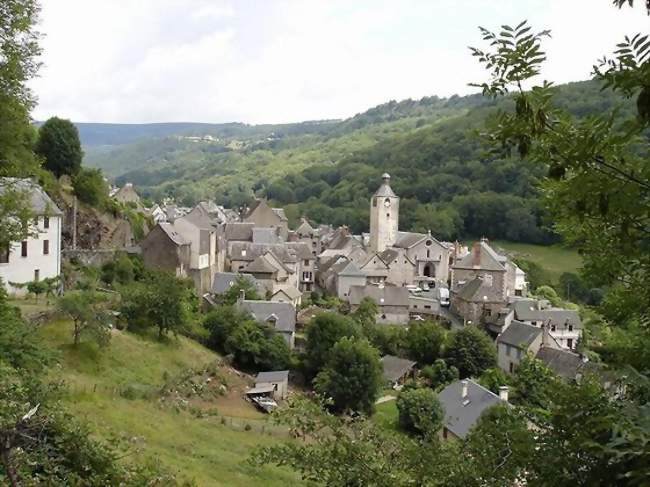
[203,251]
[564,325]
[306,265]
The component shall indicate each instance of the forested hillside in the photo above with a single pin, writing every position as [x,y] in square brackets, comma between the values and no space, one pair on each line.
[448,181]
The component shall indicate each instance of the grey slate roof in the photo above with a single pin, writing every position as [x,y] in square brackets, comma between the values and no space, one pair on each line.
[173,235]
[470,289]
[389,255]
[395,367]
[40,202]
[272,376]
[201,217]
[519,334]
[263,310]
[261,265]
[265,235]
[406,240]
[280,213]
[290,291]
[489,260]
[527,310]
[385,190]
[223,281]
[383,296]
[461,414]
[564,363]
[305,229]
[239,231]
[282,252]
[302,250]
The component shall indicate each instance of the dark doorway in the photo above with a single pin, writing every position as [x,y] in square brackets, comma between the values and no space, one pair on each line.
[429,270]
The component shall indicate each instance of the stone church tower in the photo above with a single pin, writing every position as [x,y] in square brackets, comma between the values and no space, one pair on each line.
[384,216]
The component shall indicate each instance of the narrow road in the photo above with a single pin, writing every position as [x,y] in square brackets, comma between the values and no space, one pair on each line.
[385,399]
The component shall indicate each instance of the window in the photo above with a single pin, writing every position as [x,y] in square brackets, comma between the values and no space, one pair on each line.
[428,254]
[37,274]
[511,367]
[552,327]
[444,433]
[427,306]
[46,222]
[23,248]
[569,342]
[428,243]
[387,215]
[487,280]
[374,202]
[46,247]
[306,262]
[570,327]
[4,255]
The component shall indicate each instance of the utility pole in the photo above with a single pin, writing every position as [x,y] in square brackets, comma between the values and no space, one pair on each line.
[74,224]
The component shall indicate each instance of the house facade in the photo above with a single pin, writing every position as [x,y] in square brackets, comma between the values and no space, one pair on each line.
[39,255]
[165,249]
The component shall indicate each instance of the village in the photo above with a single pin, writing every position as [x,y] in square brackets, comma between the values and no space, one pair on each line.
[410,278]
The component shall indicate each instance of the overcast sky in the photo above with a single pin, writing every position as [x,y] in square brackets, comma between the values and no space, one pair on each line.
[265,61]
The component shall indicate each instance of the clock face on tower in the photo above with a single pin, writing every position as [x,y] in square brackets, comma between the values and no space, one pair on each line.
[387,202]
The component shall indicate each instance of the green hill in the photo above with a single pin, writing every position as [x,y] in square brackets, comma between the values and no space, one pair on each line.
[170,403]
[447,179]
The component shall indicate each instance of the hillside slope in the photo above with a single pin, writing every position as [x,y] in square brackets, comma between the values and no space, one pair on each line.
[172,403]
[447,179]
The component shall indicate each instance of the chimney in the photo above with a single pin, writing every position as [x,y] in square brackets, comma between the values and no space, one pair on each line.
[476,254]
[463,394]
[242,295]
[503,393]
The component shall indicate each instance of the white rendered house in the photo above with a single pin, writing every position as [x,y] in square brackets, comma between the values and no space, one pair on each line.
[39,256]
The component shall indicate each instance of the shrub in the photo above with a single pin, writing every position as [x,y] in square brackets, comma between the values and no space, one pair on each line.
[420,411]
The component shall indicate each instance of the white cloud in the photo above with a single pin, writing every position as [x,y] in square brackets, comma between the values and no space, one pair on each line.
[289,60]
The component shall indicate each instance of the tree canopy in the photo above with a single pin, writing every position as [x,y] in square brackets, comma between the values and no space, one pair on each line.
[58,143]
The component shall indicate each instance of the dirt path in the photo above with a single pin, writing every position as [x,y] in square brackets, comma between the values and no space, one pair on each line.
[385,399]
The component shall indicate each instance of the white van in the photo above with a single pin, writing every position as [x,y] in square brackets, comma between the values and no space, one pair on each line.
[443,294]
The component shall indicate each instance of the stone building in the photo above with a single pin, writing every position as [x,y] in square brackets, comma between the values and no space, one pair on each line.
[392,302]
[166,249]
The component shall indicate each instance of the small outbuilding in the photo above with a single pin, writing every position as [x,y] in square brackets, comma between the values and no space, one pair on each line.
[275,383]
[396,370]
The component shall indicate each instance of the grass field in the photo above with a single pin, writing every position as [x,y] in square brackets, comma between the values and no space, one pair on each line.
[554,259]
[386,415]
[207,442]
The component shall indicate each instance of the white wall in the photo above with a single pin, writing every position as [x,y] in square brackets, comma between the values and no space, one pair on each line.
[21,269]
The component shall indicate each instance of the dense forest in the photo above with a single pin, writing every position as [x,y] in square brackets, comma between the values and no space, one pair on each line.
[448,180]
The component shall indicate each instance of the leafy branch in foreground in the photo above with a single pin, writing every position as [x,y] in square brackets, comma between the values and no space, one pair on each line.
[598,185]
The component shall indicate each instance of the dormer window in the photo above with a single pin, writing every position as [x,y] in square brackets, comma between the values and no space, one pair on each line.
[243,253]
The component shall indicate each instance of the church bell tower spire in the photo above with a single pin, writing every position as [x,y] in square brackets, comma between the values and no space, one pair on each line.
[384,216]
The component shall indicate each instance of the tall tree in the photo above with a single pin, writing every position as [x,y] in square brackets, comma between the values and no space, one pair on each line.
[18,64]
[352,376]
[58,143]
[322,334]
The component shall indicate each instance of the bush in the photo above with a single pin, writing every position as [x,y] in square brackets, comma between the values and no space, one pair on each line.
[471,351]
[439,374]
[424,341]
[420,411]
[89,186]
